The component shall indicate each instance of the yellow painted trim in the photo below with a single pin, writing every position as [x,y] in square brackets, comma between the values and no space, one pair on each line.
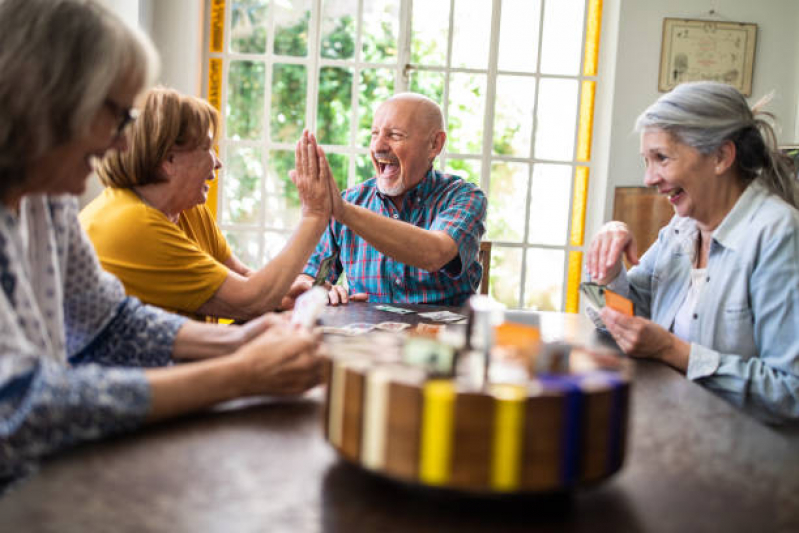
[579,206]
[509,403]
[573,287]
[438,418]
[215,99]
[217,41]
[592,31]
[586,127]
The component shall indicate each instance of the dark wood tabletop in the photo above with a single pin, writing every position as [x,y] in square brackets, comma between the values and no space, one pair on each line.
[694,463]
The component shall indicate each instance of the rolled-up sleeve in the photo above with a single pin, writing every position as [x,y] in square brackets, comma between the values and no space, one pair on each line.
[464,221]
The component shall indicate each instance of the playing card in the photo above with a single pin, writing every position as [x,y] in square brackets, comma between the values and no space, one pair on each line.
[392,309]
[324,269]
[309,306]
[392,326]
[618,302]
[442,316]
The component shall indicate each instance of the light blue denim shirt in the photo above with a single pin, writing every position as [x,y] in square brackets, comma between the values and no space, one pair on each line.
[745,332]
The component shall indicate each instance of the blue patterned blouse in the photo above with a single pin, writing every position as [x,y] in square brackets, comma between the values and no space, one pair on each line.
[69,338]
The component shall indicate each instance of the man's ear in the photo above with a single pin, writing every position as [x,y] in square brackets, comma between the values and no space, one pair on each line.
[437,142]
[725,157]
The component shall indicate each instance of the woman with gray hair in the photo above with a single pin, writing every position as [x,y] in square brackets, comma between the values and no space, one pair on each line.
[717,295]
[69,337]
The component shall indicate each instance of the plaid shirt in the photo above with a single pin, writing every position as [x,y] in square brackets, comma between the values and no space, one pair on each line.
[439,202]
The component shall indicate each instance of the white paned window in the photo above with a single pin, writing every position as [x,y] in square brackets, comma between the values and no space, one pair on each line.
[507,74]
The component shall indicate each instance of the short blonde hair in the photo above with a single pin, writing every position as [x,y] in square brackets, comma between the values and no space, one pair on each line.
[168,121]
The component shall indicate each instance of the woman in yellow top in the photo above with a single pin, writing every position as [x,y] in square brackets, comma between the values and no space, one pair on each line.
[152,229]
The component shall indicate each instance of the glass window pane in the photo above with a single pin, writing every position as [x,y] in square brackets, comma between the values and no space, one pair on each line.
[338,28]
[466,110]
[471,34]
[430,84]
[468,169]
[507,200]
[274,243]
[245,100]
[380,30]
[518,35]
[556,119]
[364,169]
[246,246]
[549,204]
[506,275]
[282,203]
[242,185]
[248,26]
[335,105]
[376,86]
[288,102]
[291,27]
[513,115]
[340,167]
[543,287]
[561,45]
[429,32]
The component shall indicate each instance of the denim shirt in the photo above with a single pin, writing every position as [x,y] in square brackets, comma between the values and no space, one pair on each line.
[745,332]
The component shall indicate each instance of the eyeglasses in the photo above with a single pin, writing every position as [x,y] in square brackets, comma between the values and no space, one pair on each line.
[126,116]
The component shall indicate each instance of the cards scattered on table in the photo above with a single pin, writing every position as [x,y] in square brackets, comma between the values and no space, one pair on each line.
[392,326]
[392,309]
[442,316]
[350,330]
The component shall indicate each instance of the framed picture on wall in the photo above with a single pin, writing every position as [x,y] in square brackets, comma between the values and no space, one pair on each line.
[694,50]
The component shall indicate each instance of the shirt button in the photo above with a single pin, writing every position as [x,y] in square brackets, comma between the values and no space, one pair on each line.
[696,316]
[398,282]
[395,215]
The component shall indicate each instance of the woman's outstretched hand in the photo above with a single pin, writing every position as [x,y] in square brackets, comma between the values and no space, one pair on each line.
[606,250]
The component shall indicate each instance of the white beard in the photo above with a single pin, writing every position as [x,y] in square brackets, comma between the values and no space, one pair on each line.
[396,190]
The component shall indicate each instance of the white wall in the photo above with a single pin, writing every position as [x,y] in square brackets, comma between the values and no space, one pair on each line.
[176,27]
[129,11]
[636,74]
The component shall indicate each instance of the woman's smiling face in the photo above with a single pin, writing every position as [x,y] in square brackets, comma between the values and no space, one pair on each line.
[65,168]
[687,177]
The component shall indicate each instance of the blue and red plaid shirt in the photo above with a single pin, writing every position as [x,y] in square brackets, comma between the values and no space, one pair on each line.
[439,202]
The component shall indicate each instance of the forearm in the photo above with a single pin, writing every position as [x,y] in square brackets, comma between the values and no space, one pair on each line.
[677,354]
[272,282]
[406,243]
[198,340]
[186,388]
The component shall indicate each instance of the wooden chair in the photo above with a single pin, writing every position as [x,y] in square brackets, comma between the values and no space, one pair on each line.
[484,256]
[644,211]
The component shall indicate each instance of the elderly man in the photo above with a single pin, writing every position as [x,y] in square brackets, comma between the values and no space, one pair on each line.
[411,234]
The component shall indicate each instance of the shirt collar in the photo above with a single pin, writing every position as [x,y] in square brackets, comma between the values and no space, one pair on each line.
[733,229]
[421,190]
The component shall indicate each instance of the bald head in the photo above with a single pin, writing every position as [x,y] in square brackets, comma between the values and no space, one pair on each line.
[426,114]
[407,135]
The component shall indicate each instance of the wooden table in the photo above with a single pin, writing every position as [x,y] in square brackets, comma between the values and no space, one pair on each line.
[694,463]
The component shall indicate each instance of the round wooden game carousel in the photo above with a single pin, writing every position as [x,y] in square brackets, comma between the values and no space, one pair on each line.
[490,409]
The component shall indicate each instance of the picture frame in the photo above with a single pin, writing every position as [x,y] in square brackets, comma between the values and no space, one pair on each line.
[694,50]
